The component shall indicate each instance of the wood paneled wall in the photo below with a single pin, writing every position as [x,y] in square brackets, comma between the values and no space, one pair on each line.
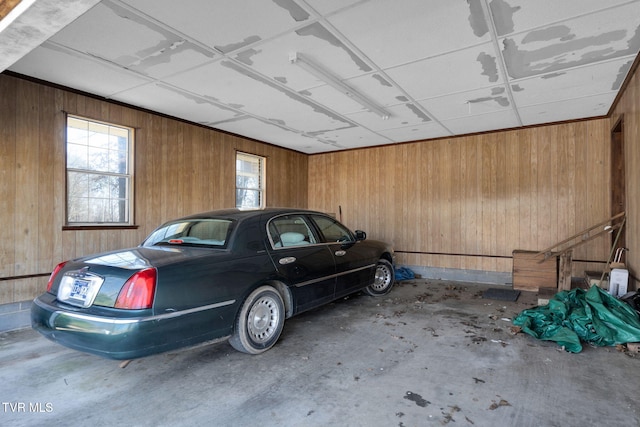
[179,169]
[628,109]
[463,203]
[468,202]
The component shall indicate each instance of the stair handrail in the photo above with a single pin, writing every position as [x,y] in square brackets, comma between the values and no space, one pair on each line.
[586,236]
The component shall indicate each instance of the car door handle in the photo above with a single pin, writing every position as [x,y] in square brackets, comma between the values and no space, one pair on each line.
[341,253]
[287,260]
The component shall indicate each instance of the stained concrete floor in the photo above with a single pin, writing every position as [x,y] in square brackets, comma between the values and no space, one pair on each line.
[429,353]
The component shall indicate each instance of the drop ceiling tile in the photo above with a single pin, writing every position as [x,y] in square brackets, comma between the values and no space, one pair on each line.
[415,132]
[412,37]
[402,115]
[467,104]
[167,100]
[521,15]
[592,106]
[267,131]
[326,7]
[459,71]
[504,119]
[575,83]
[131,41]
[225,24]
[378,88]
[352,137]
[585,40]
[76,71]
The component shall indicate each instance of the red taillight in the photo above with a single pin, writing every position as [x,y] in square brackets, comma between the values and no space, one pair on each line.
[53,275]
[139,291]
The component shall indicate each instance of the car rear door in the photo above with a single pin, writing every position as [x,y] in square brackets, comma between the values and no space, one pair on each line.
[355,261]
[305,264]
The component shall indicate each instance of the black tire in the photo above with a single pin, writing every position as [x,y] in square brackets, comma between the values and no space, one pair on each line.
[383,281]
[259,322]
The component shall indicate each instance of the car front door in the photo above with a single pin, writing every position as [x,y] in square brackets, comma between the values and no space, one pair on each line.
[305,264]
[355,265]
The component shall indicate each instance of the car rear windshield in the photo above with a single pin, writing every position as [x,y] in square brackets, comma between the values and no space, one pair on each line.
[193,232]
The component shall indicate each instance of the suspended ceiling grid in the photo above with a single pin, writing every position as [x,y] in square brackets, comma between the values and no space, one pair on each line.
[437,67]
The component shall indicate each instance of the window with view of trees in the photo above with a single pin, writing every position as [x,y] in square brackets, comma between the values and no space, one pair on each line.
[249,181]
[99,173]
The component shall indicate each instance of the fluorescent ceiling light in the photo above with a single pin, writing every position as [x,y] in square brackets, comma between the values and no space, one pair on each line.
[333,81]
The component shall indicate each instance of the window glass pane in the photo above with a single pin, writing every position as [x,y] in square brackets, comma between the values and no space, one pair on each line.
[290,230]
[332,231]
[249,181]
[77,156]
[204,232]
[98,176]
[247,198]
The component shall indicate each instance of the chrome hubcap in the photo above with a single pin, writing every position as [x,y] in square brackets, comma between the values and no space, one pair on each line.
[263,319]
[382,279]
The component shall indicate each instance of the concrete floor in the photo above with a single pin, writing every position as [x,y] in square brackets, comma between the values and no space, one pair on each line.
[429,353]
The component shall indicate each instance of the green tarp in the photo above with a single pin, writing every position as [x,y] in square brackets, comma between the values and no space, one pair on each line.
[577,315]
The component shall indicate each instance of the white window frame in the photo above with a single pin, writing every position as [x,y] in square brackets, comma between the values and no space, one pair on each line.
[250,184]
[98,194]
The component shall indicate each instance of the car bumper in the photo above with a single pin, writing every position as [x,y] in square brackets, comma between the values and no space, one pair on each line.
[114,337]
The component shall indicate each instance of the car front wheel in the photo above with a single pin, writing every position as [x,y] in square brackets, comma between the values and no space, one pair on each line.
[383,281]
[259,322]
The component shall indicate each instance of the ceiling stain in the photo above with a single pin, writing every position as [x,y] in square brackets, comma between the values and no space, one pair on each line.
[489,66]
[503,101]
[160,53]
[517,88]
[497,90]
[402,98]
[557,56]
[149,57]
[552,75]
[557,32]
[282,80]
[476,18]
[502,14]
[418,112]
[323,131]
[235,46]
[232,120]
[382,80]
[622,74]
[200,99]
[245,56]
[319,31]
[296,12]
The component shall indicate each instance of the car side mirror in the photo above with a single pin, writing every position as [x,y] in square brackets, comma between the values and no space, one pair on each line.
[360,235]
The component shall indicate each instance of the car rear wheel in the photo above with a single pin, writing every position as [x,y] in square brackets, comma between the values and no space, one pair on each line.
[383,281]
[260,321]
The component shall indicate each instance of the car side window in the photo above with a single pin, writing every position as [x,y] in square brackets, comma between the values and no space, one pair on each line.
[290,230]
[332,231]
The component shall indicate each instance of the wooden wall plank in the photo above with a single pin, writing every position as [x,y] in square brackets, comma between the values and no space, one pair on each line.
[8,167]
[27,163]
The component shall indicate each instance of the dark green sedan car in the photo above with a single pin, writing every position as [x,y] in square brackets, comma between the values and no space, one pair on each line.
[228,274]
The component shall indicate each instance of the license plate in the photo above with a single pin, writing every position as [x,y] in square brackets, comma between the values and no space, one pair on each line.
[80,289]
